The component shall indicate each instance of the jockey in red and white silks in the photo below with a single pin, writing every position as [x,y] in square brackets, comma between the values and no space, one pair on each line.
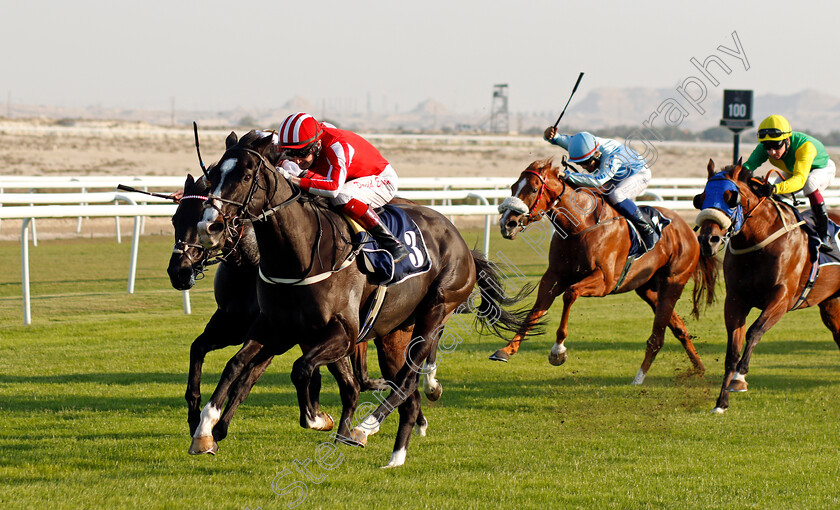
[345,168]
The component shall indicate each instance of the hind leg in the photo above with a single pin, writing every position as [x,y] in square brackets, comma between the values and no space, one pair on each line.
[830,313]
[360,369]
[662,304]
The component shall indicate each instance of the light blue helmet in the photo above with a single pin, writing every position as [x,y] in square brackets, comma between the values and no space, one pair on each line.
[582,147]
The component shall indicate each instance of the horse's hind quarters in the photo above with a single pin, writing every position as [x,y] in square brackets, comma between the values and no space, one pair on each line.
[204,444]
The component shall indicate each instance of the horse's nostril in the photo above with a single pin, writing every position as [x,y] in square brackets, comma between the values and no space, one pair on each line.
[714,239]
[511,224]
[215,228]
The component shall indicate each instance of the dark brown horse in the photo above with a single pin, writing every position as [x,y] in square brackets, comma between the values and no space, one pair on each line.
[766,266]
[312,291]
[235,291]
[589,257]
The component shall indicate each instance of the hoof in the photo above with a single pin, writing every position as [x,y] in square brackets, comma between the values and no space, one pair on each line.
[737,386]
[204,444]
[435,394]
[324,422]
[349,441]
[718,410]
[557,359]
[500,355]
[359,436]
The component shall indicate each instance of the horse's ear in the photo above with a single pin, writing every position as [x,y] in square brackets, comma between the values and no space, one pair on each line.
[189,182]
[230,141]
[698,200]
[741,161]
[736,171]
[710,168]
[262,143]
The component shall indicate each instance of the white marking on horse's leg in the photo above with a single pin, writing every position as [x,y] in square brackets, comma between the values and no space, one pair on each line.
[397,459]
[420,428]
[739,377]
[318,423]
[640,377]
[370,425]
[718,410]
[558,349]
[430,382]
[209,418]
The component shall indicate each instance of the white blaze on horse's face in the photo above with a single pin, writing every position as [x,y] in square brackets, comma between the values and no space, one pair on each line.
[211,213]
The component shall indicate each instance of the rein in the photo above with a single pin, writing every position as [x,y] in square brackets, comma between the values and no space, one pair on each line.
[553,203]
[267,213]
[772,237]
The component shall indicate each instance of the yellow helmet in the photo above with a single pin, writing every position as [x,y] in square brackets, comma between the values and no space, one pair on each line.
[773,128]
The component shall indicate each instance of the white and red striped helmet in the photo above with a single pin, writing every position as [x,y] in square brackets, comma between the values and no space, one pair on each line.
[299,130]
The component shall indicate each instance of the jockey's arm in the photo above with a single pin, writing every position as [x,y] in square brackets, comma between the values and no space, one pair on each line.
[609,167]
[561,140]
[756,159]
[805,155]
[330,185]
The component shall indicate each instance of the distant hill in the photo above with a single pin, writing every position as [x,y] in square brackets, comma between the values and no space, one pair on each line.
[808,110]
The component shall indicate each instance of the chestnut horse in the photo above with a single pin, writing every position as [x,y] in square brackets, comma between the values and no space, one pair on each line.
[589,257]
[235,290]
[766,266]
[312,291]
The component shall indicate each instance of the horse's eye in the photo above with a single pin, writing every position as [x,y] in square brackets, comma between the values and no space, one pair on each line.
[534,190]
[246,177]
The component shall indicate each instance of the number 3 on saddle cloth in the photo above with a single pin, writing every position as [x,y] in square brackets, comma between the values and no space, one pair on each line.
[380,264]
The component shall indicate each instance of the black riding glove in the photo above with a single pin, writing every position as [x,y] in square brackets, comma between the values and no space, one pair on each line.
[764,189]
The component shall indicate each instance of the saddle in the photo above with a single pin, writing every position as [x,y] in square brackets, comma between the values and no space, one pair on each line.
[658,221]
[824,258]
[378,263]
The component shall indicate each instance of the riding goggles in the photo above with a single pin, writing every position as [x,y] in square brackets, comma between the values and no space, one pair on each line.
[771,133]
[772,144]
[303,152]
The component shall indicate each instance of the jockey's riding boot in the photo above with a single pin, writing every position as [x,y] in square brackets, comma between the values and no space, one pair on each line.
[821,224]
[371,222]
[388,242]
[645,229]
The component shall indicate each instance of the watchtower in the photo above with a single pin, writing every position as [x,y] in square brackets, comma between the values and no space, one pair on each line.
[499,116]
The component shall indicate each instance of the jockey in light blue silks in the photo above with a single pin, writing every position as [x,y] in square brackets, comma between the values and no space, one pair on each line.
[615,168]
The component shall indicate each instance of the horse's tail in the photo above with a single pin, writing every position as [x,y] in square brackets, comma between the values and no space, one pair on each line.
[705,279]
[492,312]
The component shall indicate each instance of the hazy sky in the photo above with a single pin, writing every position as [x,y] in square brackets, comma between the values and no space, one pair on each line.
[213,55]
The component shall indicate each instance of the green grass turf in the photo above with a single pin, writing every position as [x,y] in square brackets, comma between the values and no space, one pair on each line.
[93,416]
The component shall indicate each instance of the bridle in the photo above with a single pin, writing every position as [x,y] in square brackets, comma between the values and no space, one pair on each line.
[232,222]
[533,216]
[235,221]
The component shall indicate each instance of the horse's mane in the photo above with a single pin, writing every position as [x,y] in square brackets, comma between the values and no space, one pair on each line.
[544,165]
[743,176]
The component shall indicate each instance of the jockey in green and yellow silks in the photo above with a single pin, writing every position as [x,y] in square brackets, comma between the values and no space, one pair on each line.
[804,163]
